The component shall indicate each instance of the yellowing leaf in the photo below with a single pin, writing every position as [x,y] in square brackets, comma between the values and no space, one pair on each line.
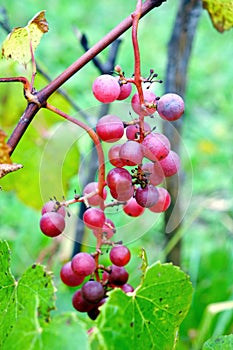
[22,42]
[221,13]
[6,165]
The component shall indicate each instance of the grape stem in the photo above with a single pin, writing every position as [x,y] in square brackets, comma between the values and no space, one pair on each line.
[99,149]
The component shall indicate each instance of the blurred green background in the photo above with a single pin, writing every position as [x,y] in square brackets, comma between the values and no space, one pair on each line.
[207,192]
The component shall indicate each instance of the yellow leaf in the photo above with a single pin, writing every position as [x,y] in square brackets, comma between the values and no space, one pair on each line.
[221,13]
[4,149]
[22,40]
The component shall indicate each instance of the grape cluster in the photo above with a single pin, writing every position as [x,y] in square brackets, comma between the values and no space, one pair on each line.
[141,162]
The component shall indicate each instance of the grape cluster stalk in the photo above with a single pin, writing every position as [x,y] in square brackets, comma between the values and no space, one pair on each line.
[141,159]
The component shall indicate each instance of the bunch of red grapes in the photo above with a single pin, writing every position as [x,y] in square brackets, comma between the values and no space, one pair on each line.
[140,165]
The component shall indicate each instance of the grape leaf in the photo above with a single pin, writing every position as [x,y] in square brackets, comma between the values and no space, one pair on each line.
[148,318]
[25,312]
[221,13]
[19,43]
[218,343]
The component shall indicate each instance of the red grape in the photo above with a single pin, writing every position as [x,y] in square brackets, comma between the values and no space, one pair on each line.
[132,208]
[106,88]
[170,107]
[52,224]
[83,264]
[153,172]
[163,202]
[113,156]
[131,152]
[127,288]
[122,195]
[110,128]
[53,206]
[108,229]
[119,255]
[156,146]
[94,218]
[69,277]
[132,131]
[79,303]
[149,98]
[125,90]
[146,197]
[119,180]
[118,275]
[92,292]
[170,164]
[96,199]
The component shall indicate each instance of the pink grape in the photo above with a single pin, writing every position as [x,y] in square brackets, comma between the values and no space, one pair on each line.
[96,199]
[131,152]
[170,107]
[110,128]
[132,131]
[154,172]
[106,88]
[125,90]
[149,98]
[118,275]
[132,208]
[68,276]
[127,288]
[92,292]
[53,206]
[94,218]
[79,303]
[119,255]
[123,195]
[146,197]
[83,264]
[107,230]
[119,180]
[156,146]
[170,164]
[163,202]
[52,224]
[114,157]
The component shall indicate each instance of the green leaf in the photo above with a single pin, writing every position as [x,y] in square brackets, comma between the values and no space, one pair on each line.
[148,318]
[20,41]
[221,13]
[219,343]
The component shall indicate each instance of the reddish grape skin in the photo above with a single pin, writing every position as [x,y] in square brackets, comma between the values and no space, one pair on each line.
[68,276]
[107,231]
[94,218]
[170,164]
[163,202]
[92,292]
[156,146]
[83,264]
[147,197]
[149,98]
[170,107]
[123,195]
[53,206]
[110,128]
[113,156]
[154,172]
[125,90]
[96,199]
[119,180]
[127,288]
[119,255]
[105,88]
[132,208]
[131,152]
[79,303]
[132,131]
[52,224]
[118,275]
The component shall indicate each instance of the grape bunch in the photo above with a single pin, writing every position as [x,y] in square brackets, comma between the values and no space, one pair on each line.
[141,159]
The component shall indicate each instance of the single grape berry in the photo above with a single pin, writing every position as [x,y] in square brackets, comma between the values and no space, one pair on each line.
[163,202]
[122,195]
[170,107]
[149,98]
[125,90]
[69,277]
[79,303]
[153,172]
[133,131]
[170,164]
[132,208]
[119,180]
[106,88]
[83,264]
[156,146]
[96,199]
[94,218]
[114,157]
[131,152]
[118,275]
[127,288]
[147,196]
[92,292]
[110,128]
[52,224]
[53,206]
[120,255]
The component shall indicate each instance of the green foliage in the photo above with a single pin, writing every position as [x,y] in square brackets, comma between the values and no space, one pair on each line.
[150,316]
[219,343]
